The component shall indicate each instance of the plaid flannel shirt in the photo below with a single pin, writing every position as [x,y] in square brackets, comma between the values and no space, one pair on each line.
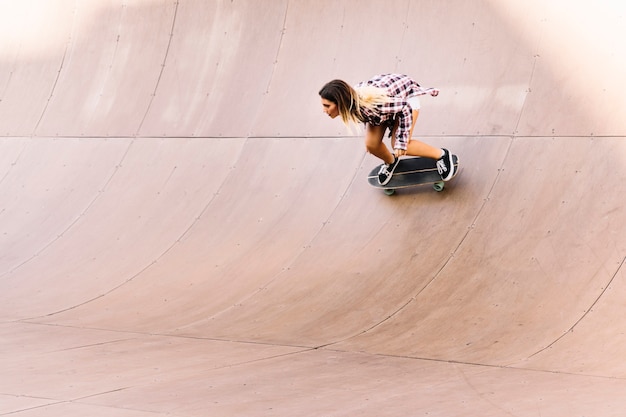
[399,89]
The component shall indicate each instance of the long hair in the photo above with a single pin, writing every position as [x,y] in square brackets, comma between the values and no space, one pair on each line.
[350,101]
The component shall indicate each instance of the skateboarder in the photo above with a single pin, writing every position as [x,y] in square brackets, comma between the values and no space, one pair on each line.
[387,101]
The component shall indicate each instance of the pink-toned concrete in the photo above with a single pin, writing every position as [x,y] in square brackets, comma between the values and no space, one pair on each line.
[184,233]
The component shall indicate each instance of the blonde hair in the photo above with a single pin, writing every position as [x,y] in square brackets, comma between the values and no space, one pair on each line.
[350,101]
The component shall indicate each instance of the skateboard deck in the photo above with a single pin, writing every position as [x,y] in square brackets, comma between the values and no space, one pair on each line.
[411,172]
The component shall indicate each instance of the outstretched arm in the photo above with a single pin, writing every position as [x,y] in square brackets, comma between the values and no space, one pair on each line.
[430,90]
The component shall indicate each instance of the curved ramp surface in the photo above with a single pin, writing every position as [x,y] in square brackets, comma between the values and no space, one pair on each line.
[183,232]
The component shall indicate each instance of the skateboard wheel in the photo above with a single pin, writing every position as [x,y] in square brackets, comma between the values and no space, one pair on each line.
[390,191]
[439,186]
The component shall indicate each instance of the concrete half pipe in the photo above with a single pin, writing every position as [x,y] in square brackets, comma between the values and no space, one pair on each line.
[183,232]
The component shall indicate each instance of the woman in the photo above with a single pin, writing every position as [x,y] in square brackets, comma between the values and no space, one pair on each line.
[387,101]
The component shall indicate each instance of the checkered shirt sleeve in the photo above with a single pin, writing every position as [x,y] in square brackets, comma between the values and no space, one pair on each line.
[399,89]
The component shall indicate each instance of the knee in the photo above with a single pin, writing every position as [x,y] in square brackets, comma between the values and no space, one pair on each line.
[370,147]
[374,139]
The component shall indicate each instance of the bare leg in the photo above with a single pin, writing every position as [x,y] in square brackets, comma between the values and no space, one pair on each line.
[374,143]
[416,147]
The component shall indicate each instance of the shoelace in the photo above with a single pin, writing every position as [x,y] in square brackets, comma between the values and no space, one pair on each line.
[441,167]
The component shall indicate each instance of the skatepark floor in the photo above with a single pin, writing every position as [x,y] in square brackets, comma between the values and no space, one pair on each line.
[184,233]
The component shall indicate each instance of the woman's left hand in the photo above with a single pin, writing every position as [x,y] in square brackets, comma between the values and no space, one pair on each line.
[400,152]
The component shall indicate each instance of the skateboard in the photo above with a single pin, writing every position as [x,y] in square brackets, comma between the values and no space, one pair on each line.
[411,172]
